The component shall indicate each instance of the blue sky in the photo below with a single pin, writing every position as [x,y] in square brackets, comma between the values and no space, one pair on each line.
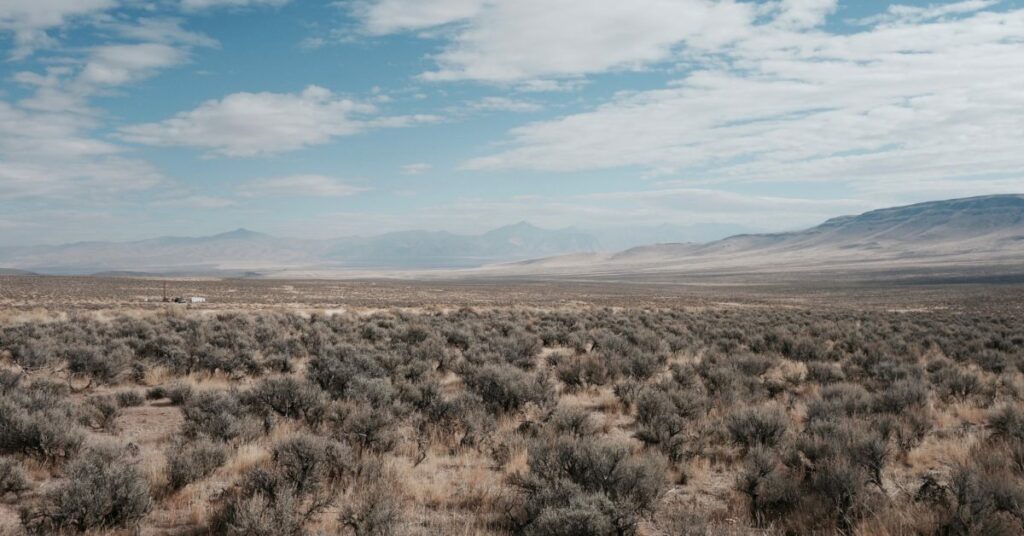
[122,119]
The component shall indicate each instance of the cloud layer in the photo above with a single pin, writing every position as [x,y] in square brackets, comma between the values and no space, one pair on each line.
[48,145]
[901,100]
[521,40]
[251,124]
[301,186]
[255,124]
[559,111]
[30,21]
[49,155]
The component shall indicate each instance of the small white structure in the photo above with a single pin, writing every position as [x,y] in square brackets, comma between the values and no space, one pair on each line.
[198,299]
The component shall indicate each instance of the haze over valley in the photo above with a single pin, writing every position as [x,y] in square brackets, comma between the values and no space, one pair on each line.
[245,250]
[959,235]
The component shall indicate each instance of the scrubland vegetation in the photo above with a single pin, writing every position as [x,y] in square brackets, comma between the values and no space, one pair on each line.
[581,421]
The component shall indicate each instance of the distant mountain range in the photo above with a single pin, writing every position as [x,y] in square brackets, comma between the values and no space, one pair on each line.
[951,236]
[943,235]
[243,251]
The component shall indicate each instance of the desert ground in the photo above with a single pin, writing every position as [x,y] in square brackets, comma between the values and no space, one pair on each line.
[511,407]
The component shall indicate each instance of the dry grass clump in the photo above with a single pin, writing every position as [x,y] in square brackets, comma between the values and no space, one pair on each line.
[104,489]
[37,420]
[190,462]
[12,477]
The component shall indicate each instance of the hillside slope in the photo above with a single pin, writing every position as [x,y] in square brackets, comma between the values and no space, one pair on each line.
[977,231]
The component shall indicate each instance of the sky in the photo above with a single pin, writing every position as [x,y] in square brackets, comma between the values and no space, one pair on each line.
[123,119]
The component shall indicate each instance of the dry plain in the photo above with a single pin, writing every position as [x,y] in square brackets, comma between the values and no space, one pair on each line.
[511,407]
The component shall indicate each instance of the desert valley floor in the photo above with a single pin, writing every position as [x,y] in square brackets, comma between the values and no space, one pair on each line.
[511,407]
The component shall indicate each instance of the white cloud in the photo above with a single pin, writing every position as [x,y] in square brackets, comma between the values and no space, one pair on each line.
[47,135]
[525,40]
[389,16]
[80,178]
[67,86]
[48,146]
[934,101]
[900,13]
[504,104]
[251,124]
[301,186]
[255,124]
[313,43]
[416,169]
[16,224]
[195,5]
[798,14]
[401,121]
[115,65]
[49,155]
[29,20]
[50,92]
[163,43]
[194,201]
[539,85]
[161,30]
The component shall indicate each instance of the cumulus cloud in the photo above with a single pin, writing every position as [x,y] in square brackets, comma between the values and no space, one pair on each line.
[937,100]
[75,177]
[800,14]
[416,169]
[48,146]
[523,40]
[771,95]
[389,16]
[504,104]
[67,89]
[30,20]
[195,5]
[900,13]
[167,30]
[21,132]
[254,124]
[114,65]
[47,154]
[250,124]
[154,44]
[194,201]
[301,186]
